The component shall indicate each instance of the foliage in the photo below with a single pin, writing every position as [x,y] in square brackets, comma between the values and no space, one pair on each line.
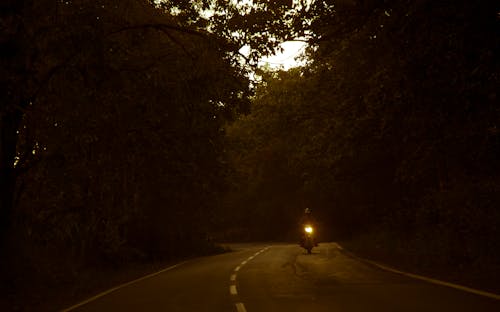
[390,128]
[117,120]
[257,25]
[121,125]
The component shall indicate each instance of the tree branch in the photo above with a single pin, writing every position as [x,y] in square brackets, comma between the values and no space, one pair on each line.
[161,27]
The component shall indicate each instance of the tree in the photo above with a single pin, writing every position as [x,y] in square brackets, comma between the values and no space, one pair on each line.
[397,108]
[33,59]
[120,114]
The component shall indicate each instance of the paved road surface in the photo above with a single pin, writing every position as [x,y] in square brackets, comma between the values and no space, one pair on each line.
[257,278]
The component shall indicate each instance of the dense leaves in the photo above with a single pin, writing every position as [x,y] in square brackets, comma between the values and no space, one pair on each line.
[121,134]
[112,118]
[390,129]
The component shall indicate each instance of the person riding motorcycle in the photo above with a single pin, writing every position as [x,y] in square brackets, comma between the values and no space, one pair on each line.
[307,226]
[307,218]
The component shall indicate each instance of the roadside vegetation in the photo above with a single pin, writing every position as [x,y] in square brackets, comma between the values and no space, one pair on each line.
[131,133]
[390,134]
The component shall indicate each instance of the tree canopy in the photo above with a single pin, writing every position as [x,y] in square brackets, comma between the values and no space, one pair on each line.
[391,128]
[130,129]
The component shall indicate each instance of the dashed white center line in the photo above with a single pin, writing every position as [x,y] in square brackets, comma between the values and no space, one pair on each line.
[240,307]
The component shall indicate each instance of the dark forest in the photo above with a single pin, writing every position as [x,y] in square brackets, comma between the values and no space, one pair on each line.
[132,131]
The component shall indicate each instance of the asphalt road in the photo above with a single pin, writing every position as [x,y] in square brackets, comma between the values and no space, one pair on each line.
[258,277]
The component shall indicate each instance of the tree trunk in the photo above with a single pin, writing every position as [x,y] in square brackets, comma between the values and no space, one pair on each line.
[14,88]
[9,126]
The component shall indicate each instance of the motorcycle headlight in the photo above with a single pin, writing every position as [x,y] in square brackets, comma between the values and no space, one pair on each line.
[308,229]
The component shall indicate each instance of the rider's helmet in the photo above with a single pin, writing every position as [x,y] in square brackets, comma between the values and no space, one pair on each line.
[307,211]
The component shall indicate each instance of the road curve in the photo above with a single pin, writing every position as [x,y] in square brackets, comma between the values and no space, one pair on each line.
[282,277]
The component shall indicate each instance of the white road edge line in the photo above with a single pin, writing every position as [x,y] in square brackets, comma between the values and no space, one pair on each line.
[431,280]
[236,269]
[232,290]
[240,307]
[244,262]
[439,282]
[104,293]
[232,278]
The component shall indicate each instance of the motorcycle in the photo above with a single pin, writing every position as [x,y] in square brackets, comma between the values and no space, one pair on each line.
[308,241]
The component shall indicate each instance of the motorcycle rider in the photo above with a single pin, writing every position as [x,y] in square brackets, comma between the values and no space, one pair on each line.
[307,220]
